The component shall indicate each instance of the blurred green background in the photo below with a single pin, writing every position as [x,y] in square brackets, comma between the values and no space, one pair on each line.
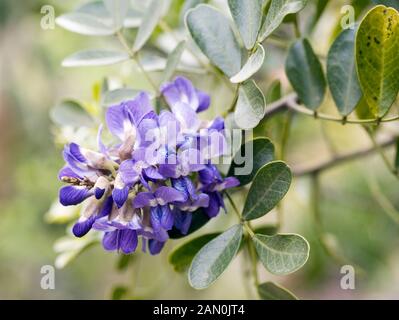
[32,81]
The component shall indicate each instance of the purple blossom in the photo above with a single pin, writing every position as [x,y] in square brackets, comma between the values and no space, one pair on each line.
[156,174]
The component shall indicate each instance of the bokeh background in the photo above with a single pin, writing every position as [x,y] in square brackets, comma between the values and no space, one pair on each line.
[32,82]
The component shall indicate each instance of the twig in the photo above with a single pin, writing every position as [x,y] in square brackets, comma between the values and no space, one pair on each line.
[382,199]
[134,56]
[380,150]
[353,155]
[290,102]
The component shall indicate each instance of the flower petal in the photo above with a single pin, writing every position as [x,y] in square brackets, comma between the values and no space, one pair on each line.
[128,173]
[128,241]
[140,108]
[111,240]
[229,182]
[217,124]
[156,215]
[119,120]
[152,173]
[214,204]
[144,199]
[187,117]
[180,90]
[182,220]
[169,170]
[185,186]
[73,195]
[155,246]
[120,195]
[166,195]
[68,172]
[166,218]
[204,101]
[83,226]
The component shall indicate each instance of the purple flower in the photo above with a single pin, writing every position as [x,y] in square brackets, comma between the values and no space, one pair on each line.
[95,210]
[154,177]
[182,92]
[158,201]
[212,184]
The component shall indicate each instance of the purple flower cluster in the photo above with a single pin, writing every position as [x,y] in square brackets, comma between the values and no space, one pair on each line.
[155,177]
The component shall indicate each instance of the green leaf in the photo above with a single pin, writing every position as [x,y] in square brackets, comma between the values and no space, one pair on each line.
[173,61]
[97,8]
[273,92]
[282,253]
[182,256]
[200,218]
[71,113]
[250,107]
[270,185]
[272,291]
[253,64]
[189,4]
[119,292]
[212,33]
[211,261]
[95,58]
[377,47]
[85,24]
[267,229]
[363,110]
[341,72]
[388,3]
[118,95]
[277,11]
[247,16]
[305,73]
[118,10]
[150,20]
[253,155]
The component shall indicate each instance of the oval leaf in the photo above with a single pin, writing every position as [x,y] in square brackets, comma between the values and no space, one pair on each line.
[247,16]
[275,16]
[341,72]
[95,58]
[377,47]
[250,158]
[118,10]
[272,291]
[270,185]
[71,113]
[150,20]
[305,73]
[214,258]
[85,24]
[250,107]
[173,61]
[253,64]
[97,8]
[182,256]
[282,253]
[118,95]
[212,33]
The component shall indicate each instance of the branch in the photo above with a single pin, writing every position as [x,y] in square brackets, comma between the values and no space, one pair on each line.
[306,170]
[291,102]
